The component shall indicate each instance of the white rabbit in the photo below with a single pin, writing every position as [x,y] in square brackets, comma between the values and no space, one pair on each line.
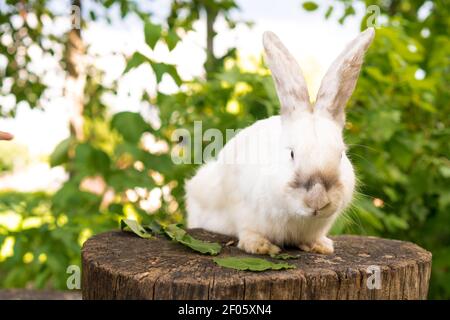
[284,180]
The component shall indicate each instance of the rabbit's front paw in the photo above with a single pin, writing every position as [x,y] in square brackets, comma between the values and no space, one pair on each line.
[252,242]
[323,246]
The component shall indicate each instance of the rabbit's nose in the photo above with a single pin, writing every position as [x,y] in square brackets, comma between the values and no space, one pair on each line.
[317,197]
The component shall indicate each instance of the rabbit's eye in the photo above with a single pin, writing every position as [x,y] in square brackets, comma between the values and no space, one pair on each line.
[292,154]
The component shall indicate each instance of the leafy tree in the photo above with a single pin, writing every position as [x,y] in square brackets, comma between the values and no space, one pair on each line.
[397,130]
[105,157]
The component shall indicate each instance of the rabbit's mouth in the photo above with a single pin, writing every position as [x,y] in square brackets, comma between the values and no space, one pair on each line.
[333,208]
[325,212]
[322,210]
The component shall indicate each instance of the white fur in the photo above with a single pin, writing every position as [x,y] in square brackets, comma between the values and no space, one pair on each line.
[247,191]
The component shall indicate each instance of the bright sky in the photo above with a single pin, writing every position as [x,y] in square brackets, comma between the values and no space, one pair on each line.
[314,41]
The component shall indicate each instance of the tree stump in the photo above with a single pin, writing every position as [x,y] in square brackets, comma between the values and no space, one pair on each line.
[120,265]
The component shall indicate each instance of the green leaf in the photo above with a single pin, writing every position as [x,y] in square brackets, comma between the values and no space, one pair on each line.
[90,160]
[108,3]
[92,15]
[251,264]
[161,68]
[61,153]
[116,208]
[172,39]
[152,33]
[329,12]
[129,178]
[154,227]
[284,256]
[135,227]
[174,232]
[394,223]
[124,8]
[135,61]
[349,11]
[130,125]
[309,6]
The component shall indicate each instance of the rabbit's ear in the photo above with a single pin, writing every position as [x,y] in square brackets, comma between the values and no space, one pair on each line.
[289,82]
[340,80]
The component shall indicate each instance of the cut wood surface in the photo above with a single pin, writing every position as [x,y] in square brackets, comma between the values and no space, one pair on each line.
[120,265]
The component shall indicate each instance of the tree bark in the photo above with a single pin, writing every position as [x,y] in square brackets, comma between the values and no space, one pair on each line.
[210,64]
[76,78]
[120,265]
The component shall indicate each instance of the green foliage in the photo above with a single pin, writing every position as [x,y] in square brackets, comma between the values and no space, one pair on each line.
[135,61]
[174,232]
[152,33]
[25,82]
[10,154]
[29,87]
[309,6]
[251,264]
[284,256]
[61,153]
[177,234]
[159,68]
[130,125]
[42,244]
[135,227]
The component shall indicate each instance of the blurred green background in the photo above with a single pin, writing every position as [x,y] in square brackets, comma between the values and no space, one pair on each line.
[397,126]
